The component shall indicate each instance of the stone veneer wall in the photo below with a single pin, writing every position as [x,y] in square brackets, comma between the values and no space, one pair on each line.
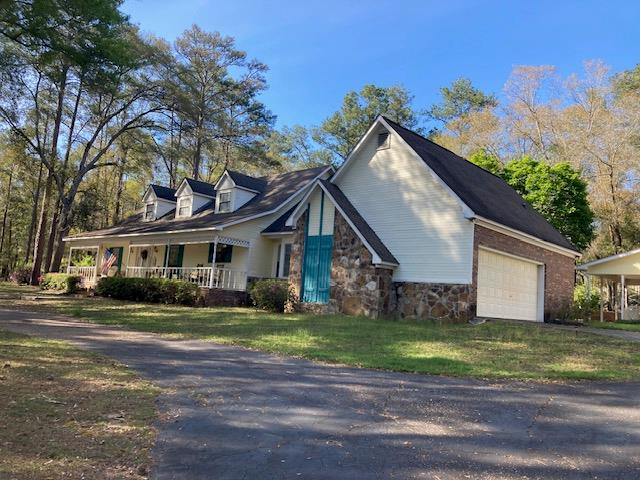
[559,270]
[437,301]
[357,287]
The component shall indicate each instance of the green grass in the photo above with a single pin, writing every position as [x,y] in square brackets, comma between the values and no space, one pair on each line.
[630,327]
[493,350]
[66,413]
[11,289]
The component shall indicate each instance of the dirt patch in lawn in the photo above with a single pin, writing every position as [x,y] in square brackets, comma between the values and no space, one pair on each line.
[66,413]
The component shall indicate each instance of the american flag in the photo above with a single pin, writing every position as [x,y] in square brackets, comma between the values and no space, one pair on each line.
[110,258]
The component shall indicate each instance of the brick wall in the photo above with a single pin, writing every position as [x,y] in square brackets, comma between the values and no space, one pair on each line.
[558,269]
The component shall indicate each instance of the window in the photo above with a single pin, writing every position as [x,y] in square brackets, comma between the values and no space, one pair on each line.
[148,211]
[224,204]
[383,140]
[224,253]
[184,207]
[287,259]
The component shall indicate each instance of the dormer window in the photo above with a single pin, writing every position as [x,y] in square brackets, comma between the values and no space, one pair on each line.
[383,140]
[224,202]
[184,206]
[149,211]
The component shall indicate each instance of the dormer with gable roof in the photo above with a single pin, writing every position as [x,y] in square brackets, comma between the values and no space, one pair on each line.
[192,195]
[234,189]
[158,201]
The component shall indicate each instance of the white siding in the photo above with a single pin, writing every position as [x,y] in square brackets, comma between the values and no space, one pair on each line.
[412,213]
[314,214]
[163,207]
[240,197]
[199,201]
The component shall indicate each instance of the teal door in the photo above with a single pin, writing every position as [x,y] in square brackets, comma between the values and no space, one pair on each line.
[174,255]
[316,266]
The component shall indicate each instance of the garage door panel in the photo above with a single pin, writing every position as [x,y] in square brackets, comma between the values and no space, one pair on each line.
[507,287]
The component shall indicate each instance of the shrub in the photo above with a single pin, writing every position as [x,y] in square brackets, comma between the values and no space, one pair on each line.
[152,290]
[270,294]
[21,275]
[584,306]
[60,281]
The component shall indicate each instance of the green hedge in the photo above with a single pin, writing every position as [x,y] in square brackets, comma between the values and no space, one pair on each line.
[270,294]
[60,281]
[152,290]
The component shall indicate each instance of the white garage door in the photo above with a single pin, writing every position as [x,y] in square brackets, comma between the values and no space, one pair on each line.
[507,287]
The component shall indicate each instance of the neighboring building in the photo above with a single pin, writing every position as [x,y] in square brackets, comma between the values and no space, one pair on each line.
[618,273]
[404,228]
[407,228]
[217,236]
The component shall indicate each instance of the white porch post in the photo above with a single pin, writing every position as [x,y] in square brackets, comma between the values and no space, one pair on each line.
[587,283]
[213,261]
[622,297]
[69,260]
[97,273]
[601,299]
[166,258]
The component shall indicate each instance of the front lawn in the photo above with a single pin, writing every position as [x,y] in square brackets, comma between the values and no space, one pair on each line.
[492,350]
[65,413]
[630,327]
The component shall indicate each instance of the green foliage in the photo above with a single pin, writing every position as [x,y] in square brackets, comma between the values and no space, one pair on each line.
[293,149]
[152,290]
[489,162]
[61,282]
[341,131]
[557,192]
[84,260]
[270,294]
[582,301]
[460,99]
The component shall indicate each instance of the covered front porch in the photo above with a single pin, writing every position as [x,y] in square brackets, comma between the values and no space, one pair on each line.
[617,279]
[219,264]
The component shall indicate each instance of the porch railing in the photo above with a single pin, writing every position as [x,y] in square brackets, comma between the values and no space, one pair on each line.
[87,274]
[223,278]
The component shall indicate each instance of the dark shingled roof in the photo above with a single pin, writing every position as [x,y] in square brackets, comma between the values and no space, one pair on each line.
[279,226]
[203,188]
[488,195]
[164,193]
[360,223]
[252,183]
[277,190]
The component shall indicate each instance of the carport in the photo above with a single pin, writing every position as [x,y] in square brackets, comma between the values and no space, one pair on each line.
[621,275]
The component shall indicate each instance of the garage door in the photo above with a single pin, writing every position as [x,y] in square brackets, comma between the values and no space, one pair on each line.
[507,287]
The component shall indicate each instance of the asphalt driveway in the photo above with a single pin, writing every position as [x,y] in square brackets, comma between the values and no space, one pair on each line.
[232,413]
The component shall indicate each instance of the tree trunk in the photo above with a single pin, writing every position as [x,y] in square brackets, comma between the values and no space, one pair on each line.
[6,210]
[120,189]
[52,236]
[64,225]
[42,226]
[34,215]
[38,246]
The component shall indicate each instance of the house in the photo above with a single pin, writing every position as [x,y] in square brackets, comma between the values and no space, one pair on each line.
[407,228]
[218,236]
[619,273]
[403,228]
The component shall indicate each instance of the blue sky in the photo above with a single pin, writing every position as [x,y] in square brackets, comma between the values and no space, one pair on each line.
[319,50]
